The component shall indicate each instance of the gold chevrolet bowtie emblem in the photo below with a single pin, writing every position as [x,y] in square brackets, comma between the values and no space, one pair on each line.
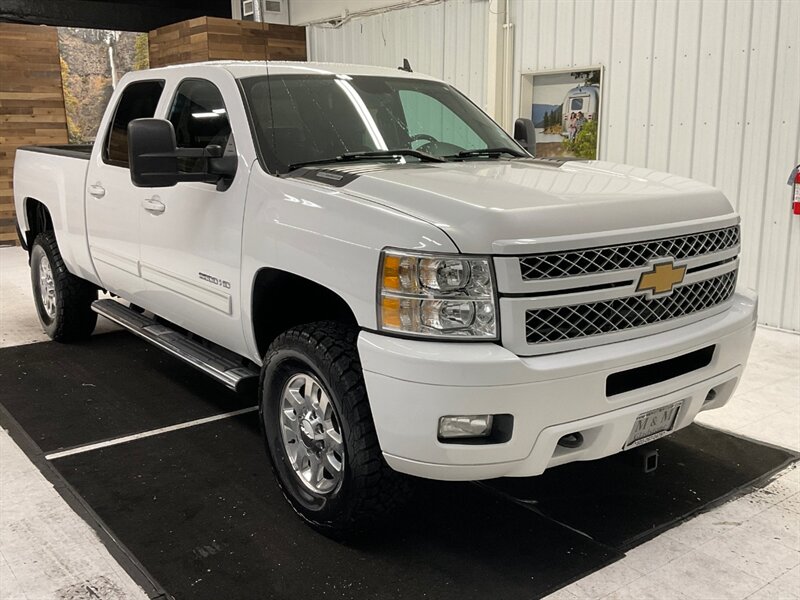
[661,279]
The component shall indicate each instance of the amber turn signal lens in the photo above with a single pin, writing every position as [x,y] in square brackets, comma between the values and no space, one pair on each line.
[391,273]
[390,312]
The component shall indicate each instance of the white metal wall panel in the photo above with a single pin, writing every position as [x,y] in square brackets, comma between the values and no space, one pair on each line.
[781,237]
[637,111]
[663,65]
[446,40]
[702,88]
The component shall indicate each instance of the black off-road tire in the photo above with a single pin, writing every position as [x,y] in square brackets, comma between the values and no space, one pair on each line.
[73,318]
[370,489]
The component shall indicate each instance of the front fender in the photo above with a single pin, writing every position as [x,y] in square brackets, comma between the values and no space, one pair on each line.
[325,235]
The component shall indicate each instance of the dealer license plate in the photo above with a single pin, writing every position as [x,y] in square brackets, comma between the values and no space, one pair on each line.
[653,424]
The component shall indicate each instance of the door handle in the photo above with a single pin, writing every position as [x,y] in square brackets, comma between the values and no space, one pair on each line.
[97,190]
[154,205]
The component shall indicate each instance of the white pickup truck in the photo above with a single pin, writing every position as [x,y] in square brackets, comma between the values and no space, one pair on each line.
[411,290]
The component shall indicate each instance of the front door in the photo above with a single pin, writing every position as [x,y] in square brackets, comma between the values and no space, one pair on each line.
[191,233]
[113,206]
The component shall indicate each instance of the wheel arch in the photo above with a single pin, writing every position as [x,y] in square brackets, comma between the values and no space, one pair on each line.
[281,300]
[37,220]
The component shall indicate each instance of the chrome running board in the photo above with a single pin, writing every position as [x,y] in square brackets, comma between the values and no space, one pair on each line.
[216,362]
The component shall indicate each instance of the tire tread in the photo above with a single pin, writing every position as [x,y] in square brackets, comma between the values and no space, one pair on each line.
[377,490]
[74,319]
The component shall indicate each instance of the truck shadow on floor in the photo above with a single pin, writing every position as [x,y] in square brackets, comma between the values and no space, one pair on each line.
[199,508]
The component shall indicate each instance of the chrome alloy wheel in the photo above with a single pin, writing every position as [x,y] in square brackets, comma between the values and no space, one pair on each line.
[47,287]
[312,434]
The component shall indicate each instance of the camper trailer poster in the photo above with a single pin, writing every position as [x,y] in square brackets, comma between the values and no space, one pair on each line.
[565,110]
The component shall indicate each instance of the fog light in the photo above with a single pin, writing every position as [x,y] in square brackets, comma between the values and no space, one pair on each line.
[463,426]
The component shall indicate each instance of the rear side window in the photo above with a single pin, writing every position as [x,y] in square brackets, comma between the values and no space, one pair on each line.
[200,119]
[138,101]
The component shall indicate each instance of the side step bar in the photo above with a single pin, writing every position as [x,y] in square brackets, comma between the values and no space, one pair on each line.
[218,363]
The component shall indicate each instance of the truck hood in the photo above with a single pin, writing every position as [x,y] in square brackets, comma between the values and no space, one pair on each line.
[504,206]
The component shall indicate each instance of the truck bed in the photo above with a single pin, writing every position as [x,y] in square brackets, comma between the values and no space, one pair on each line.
[56,177]
[83,151]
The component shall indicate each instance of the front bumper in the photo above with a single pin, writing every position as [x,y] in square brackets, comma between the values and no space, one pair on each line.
[412,383]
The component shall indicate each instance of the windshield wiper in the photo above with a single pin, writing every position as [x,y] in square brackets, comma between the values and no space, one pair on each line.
[353,156]
[491,152]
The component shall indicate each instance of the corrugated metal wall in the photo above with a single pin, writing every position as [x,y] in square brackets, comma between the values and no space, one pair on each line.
[446,40]
[708,89]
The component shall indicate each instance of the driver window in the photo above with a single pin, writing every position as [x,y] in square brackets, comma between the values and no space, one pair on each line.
[426,116]
[200,119]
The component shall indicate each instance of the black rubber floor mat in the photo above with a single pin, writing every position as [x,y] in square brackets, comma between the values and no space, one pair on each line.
[201,512]
[616,503]
[107,387]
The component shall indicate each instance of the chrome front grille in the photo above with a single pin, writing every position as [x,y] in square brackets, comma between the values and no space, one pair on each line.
[569,322]
[561,299]
[626,256]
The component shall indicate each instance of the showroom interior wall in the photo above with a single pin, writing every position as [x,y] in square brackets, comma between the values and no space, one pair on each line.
[308,11]
[702,88]
[446,40]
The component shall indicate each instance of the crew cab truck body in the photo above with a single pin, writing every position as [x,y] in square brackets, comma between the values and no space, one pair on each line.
[441,310]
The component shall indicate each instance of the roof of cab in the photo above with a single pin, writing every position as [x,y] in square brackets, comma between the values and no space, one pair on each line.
[242,68]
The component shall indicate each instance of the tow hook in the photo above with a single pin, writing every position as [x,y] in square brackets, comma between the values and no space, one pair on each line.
[646,459]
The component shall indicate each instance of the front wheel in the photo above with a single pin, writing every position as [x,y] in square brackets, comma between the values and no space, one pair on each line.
[63,301]
[319,430]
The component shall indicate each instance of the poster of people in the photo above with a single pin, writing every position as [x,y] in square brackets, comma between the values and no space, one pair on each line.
[565,110]
[92,63]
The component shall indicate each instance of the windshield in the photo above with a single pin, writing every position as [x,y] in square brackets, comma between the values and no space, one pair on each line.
[319,117]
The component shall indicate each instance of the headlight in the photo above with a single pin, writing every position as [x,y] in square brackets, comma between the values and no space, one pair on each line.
[441,296]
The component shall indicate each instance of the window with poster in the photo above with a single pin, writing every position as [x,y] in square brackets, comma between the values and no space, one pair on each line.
[565,109]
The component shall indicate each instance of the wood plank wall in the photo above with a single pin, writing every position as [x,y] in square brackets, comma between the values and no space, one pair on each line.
[31,97]
[211,38]
[31,104]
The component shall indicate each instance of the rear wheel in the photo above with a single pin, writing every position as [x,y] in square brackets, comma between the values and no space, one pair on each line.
[63,301]
[319,430]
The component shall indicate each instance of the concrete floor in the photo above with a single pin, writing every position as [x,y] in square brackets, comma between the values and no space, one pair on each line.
[46,549]
[746,548]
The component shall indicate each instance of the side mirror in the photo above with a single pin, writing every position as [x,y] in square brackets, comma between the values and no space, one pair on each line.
[221,165]
[151,153]
[525,134]
[153,157]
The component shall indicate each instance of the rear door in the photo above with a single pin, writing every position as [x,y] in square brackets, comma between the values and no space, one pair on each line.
[113,204]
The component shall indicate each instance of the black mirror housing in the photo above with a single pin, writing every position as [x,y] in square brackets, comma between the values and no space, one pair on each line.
[153,157]
[525,134]
[213,151]
[152,153]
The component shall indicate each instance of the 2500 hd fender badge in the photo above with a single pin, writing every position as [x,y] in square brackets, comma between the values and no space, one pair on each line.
[216,281]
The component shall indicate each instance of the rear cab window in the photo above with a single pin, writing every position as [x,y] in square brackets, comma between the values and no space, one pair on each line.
[138,101]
